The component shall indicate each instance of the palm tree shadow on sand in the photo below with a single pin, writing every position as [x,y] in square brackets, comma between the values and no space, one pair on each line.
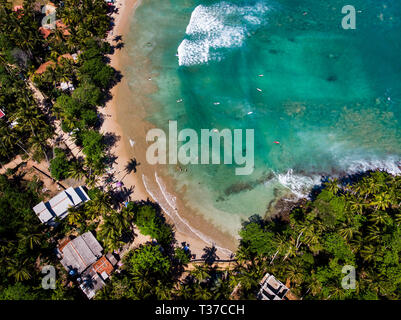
[130,167]
[210,255]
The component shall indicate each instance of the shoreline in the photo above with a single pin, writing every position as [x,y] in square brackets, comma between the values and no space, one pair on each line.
[191,231]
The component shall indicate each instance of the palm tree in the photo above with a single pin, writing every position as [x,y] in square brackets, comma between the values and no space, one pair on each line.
[8,138]
[74,216]
[294,273]
[397,218]
[380,217]
[76,170]
[356,206]
[382,201]
[37,145]
[368,253]
[291,249]
[162,291]
[101,204]
[333,186]
[374,233]
[347,231]
[336,293]
[200,272]
[31,236]
[200,293]
[17,268]
[110,233]
[315,286]
[92,179]
[127,214]
[183,291]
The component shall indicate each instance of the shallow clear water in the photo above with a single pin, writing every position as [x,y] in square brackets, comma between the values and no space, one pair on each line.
[330,96]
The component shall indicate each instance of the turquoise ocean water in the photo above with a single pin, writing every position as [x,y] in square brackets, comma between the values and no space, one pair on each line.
[286,69]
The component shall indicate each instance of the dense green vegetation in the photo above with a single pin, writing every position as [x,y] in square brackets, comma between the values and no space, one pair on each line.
[25,244]
[354,221]
[27,130]
[80,30]
[150,222]
[346,224]
[59,166]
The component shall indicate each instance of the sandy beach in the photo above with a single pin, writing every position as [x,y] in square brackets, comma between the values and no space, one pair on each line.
[127,110]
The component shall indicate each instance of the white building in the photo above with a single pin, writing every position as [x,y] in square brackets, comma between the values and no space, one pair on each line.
[67,86]
[272,289]
[59,205]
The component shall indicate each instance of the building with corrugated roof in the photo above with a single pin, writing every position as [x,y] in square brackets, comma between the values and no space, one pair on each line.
[83,257]
[272,289]
[57,207]
[80,253]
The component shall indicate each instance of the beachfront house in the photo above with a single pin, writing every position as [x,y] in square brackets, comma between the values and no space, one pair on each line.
[82,257]
[58,206]
[272,289]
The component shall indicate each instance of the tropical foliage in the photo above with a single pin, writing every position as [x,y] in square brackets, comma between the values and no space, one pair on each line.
[25,244]
[347,224]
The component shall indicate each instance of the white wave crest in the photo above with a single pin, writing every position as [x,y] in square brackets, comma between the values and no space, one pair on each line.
[222,25]
[391,165]
[171,200]
[168,203]
[301,185]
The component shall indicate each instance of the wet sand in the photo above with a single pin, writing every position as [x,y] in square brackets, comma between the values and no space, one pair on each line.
[125,116]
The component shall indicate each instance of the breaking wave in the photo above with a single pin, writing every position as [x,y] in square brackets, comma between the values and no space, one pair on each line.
[391,165]
[219,26]
[301,185]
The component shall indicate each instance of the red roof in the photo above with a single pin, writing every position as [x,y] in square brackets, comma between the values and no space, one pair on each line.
[59,25]
[42,68]
[63,27]
[65,56]
[2,114]
[103,265]
[45,32]
[63,243]
[16,8]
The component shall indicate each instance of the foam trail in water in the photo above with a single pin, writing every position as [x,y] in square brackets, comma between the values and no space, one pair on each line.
[167,203]
[219,26]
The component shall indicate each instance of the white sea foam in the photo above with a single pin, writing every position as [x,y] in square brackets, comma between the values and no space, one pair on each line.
[222,25]
[168,204]
[171,200]
[301,185]
[391,165]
